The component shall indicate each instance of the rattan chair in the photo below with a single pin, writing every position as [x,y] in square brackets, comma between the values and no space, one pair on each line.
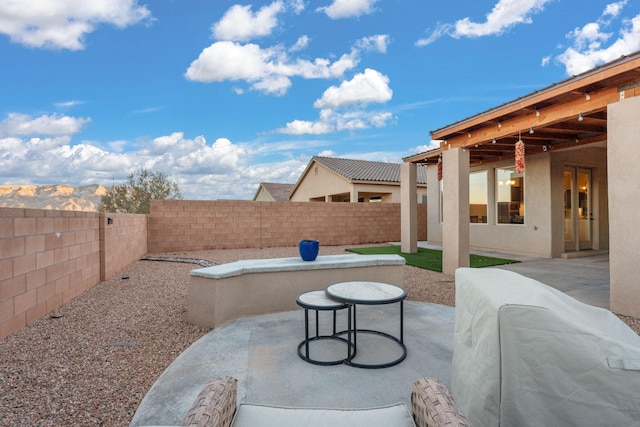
[432,405]
[215,405]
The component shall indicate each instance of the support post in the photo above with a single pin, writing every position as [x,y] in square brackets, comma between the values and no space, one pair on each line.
[623,139]
[408,208]
[455,213]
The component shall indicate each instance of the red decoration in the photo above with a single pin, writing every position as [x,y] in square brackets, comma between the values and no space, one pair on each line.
[519,156]
[439,168]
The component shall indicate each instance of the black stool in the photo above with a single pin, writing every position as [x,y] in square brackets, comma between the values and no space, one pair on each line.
[318,301]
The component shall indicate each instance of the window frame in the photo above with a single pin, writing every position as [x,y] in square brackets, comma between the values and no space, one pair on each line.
[513,209]
[481,219]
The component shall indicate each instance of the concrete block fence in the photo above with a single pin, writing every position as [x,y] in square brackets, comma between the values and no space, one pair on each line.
[180,225]
[47,257]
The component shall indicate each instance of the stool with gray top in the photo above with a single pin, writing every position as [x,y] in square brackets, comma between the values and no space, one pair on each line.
[318,301]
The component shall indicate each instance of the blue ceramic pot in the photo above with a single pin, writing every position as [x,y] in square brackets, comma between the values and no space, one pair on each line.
[309,249]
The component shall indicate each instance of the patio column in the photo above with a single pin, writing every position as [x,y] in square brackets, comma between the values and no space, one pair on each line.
[409,208]
[623,172]
[354,194]
[455,210]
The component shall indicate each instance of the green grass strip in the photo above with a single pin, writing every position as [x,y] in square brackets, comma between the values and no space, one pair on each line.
[429,259]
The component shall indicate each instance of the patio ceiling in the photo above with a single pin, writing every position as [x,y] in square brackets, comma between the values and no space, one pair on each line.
[568,114]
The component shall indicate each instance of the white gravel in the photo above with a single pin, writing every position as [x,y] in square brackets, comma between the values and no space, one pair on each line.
[92,361]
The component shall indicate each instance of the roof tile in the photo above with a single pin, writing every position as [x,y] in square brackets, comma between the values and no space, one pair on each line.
[365,170]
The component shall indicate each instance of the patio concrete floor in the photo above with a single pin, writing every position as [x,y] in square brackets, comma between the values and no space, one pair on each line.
[261,351]
[584,277]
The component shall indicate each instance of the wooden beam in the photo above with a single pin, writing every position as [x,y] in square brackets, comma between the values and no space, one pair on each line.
[548,116]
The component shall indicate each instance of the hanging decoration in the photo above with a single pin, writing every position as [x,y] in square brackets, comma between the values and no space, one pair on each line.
[519,155]
[440,168]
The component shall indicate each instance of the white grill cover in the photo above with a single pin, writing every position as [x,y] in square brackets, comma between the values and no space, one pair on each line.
[526,354]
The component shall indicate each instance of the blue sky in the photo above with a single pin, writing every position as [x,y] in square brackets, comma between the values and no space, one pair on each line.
[221,95]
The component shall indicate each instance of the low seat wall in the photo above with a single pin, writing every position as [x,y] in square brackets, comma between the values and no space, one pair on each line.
[225,292]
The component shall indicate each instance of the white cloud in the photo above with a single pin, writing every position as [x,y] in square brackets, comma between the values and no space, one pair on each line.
[589,42]
[64,24]
[348,8]
[433,144]
[221,170]
[192,156]
[300,44]
[302,127]
[327,153]
[239,23]
[228,60]
[376,43]
[54,124]
[219,158]
[68,104]
[361,119]
[344,107]
[7,145]
[276,85]
[266,69]
[504,15]
[147,110]
[365,88]
[297,6]
[203,170]
[28,160]
[31,159]
[614,9]
[381,119]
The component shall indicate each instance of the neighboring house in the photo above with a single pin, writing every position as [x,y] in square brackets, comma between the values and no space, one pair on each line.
[329,179]
[273,192]
[576,195]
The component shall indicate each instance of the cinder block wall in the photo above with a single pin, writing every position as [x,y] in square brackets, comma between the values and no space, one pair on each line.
[47,257]
[122,241]
[183,225]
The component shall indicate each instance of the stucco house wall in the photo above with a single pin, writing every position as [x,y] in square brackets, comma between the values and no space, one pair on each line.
[263,196]
[321,181]
[542,234]
[623,158]
[318,182]
[594,158]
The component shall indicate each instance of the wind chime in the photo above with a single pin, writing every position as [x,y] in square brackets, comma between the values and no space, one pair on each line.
[519,154]
[440,167]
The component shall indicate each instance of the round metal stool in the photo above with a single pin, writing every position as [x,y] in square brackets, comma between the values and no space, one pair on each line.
[318,301]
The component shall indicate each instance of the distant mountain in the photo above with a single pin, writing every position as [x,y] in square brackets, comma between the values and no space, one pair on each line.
[55,197]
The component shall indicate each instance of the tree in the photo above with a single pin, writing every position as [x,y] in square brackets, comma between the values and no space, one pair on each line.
[135,196]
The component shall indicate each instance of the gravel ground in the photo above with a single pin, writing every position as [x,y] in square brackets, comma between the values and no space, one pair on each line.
[92,361]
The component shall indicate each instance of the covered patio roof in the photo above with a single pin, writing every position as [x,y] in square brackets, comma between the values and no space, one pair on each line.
[567,114]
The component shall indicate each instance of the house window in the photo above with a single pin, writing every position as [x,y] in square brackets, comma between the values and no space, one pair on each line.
[478,191]
[510,196]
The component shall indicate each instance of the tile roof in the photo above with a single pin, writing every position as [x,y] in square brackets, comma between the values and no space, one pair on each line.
[364,170]
[279,192]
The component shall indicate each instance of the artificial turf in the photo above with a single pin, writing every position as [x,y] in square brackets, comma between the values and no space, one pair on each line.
[430,259]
